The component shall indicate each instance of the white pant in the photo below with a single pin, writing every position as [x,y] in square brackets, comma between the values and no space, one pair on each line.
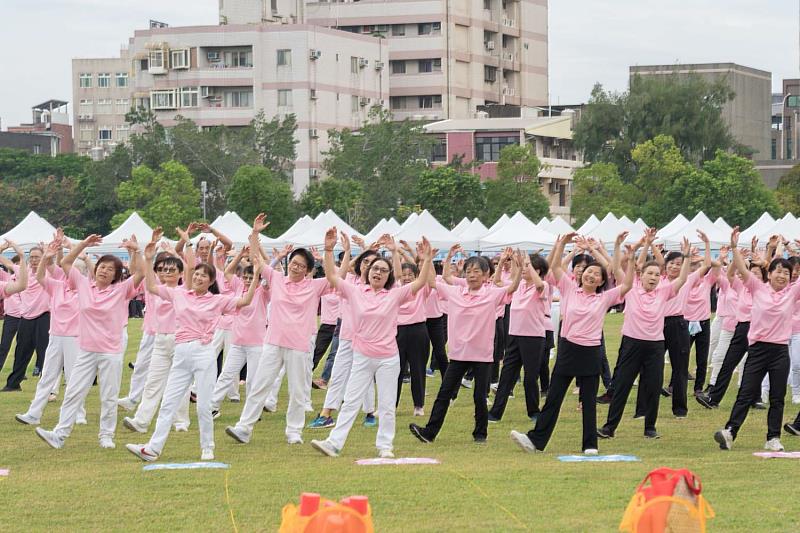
[340,374]
[61,353]
[108,369]
[222,341]
[153,390]
[140,367]
[718,354]
[271,402]
[794,373]
[192,360]
[367,370]
[235,359]
[716,329]
[268,369]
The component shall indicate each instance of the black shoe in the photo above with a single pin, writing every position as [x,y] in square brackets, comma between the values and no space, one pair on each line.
[130,365]
[651,434]
[193,397]
[24,378]
[605,399]
[666,392]
[704,400]
[690,377]
[36,372]
[544,393]
[534,419]
[406,379]
[761,406]
[792,429]
[493,419]
[638,416]
[479,440]
[605,433]
[11,389]
[419,433]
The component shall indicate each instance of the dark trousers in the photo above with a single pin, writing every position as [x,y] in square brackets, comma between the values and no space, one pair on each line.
[637,357]
[32,334]
[763,358]
[10,326]
[450,383]
[736,351]
[500,342]
[676,339]
[559,384]
[412,343]
[437,332]
[324,338]
[523,353]
[701,342]
[544,366]
[606,374]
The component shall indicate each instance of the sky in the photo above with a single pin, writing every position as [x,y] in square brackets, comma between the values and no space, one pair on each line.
[591,41]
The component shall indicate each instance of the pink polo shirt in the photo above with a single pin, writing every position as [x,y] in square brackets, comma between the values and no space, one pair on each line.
[470,320]
[548,306]
[413,311]
[697,306]
[528,308]
[329,308]
[796,320]
[644,311]
[434,306]
[582,314]
[676,306]
[772,311]
[250,323]
[35,300]
[727,298]
[744,304]
[375,317]
[63,307]
[163,312]
[150,321]
[3,290]
[13,303]
[196,316]
[103,312]
[293,309]
[228,288]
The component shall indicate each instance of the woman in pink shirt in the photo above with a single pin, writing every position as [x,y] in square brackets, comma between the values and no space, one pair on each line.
[472,312]
[768,350]
[197,311]
[12,306]
[727,299]
[584,307]
[413,342]
[10,287]
[375,308]
[103,315]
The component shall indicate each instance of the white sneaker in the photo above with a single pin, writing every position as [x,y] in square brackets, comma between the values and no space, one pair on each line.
[80,421]
[493,387]
[419,411]
[207,454]
[725,439]
[590,451]
[270,408]
[774,445]
[324,447]
[796,399]
[466,383]
[141,451]
[294,440]
[576,390]
[386,454]
[27,419]
[181,428]
[131,424]
[107,443]
[522,440]
[309,407]
[237,435]
[126,404]
[52,397]
[53,440]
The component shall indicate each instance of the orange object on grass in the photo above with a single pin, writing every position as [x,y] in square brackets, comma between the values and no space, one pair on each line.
[318,515]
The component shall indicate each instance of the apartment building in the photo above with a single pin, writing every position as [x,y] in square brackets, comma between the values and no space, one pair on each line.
[48,133]
[447,58]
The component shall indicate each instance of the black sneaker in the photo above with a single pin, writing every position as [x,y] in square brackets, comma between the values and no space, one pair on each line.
[761,406]
[193,397]
[11,389]
[666,392]
[704,400]
[651,434]
[605,399]
[493,419]
[130,365]
[419,433]
[36,372]
[605,433]
[479,440]
[792,429]
[638,416]
[690,377]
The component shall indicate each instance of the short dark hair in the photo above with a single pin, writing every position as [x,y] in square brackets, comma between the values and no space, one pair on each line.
[363,255]
[673,256]
[539,264]
[602,286]
[651,264]
[165,259]
[780,262]
[581,258]
[481,262]
[390,280]
[306,255]
[412,267]
[212,273]
[118,268]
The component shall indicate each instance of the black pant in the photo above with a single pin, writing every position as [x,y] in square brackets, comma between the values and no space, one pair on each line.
[544,366]
[559,384]
[10,326]
[450,383]
[324,338]
[676,339]
[412,343]
[637,357]
[763,358]
[701,342]
[33,334]
[606,375]
[437,332]
[736,351]
[523,353]
[500,342]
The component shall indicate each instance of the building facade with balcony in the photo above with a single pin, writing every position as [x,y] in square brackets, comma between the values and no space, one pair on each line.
[49,132]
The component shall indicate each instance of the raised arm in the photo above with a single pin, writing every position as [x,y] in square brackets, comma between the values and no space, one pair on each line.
[397,263]
[537,280]
[658,257]
[331,273]
[247,297]
[427,267]
[738,260]
[558,250]
[47,259]
[616,263]
[150,283]
[230,270]
[21,283]
[344,267]
[447,274]
[221,237]
[505,257]
[135,266]
[69,259]
[680,281]
[517,264]
[627,281]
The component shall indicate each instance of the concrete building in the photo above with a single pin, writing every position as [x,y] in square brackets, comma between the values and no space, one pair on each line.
[49,132]
[482,139]
[748,114]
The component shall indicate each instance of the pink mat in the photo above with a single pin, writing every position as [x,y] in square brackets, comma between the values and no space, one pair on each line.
[400,461]
[778,455]
[3,472]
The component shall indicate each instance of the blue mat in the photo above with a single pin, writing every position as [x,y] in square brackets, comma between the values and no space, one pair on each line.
[598,458]
[184,466]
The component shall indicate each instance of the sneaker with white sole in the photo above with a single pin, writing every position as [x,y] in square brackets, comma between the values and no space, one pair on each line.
[132,425]
[215,414]
[294,440]
[796,399]
[386,454]
[182,428]
[207,454]
[107,443]
[238,436]
[126,404]
[724,438]
[419,411]
[774,445]
[52,397]
[467,384]
[50,437]
[590,451]
[141,451]
[522,440]
[25,418]
[792,429]
[80,421]
[324,447]
[270,408]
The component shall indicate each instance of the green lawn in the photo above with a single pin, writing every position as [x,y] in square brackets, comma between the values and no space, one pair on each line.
[493,488]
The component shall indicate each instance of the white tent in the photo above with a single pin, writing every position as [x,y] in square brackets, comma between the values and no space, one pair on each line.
[133,225]
[314,233]
[788,226]
[425,225]
[607,230]
[499,224]
[518,232]
[297,228]
[237,230]
[721,224]
[764,223]
[32,230]
[390,226]
[674,225]
[411,218]
[589,225]
[461,226]
[557,226]
[470,236]
[716,236]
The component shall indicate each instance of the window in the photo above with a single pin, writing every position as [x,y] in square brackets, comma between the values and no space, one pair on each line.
[122,79]
[239,99]
[284,58]
[179,58]
[439,152]
[488,148]
[156,60]
[398,30]
[189,97]
[87,132]
[104,133]
[487,4]
[163,99]
[284,97]
[489,74]
[244,59]
[123,105]
[429,102]
[104,80]
[427,28]
[122,132]
[397,102]
[85,107]
[354,107]
[793,101]
[85,81]
[143,64]
[398,67]
[354,65]
[104,106]
[430,65]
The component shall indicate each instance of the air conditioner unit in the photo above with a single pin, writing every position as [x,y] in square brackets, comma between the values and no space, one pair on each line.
[314,54]
[312,133]
[312,94]
[508,56]
[508,22]
[363,63]
[490,45]
[422,161]
[313,173]
[509,91]
[85,117]
[213,56]
[363,101]
[378,65]
[204,91]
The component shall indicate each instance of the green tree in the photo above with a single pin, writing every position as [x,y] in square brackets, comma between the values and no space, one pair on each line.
[517,186]
[98,185]
[518,163]
[275,142]
[21,165]
[598,190]
[344,196]
[165,197]
[788,191]
[148,143]
[255,189]
[449,194]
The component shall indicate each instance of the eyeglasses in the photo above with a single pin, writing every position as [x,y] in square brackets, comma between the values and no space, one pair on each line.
[381,270]
[170,270]
[298,265]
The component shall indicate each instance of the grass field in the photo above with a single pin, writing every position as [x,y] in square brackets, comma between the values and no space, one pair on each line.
[492,488]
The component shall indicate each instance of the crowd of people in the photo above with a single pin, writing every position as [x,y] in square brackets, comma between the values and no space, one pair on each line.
[215,316]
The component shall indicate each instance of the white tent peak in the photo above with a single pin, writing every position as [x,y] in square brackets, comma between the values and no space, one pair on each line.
[461,226]
[390,226]
[31,230]
[426,225]
[133,225]
[556,226]
[518,232]
[591,223]
[471,235]
[500,223]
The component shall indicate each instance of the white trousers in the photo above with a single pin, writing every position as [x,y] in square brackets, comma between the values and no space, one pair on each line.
[222,341]
[61,354]
[271,402]
[716,329]
[718,355]
[153,390]
[340,374]
[108,369]
[367,370]
[272,358]
[192,360]
[794,373]
[235,359]
[140,367]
